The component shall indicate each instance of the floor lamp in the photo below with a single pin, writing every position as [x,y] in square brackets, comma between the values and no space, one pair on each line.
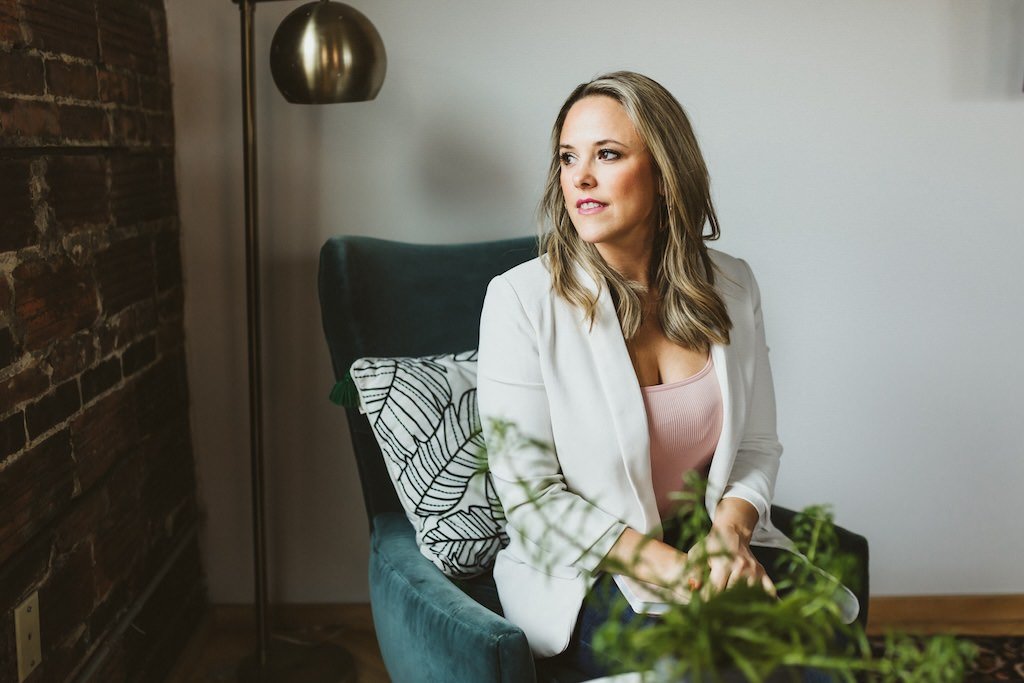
[323,52]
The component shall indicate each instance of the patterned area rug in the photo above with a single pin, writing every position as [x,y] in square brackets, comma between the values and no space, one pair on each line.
[1000,658]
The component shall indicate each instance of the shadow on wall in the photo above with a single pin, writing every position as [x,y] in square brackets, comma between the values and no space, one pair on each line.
[317,526]
[988,50]
[466,169]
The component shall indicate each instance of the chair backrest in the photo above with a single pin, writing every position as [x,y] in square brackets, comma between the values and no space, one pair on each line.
[384,298]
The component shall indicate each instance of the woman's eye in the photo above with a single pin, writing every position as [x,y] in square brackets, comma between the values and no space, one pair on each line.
[566,158]
[608,155]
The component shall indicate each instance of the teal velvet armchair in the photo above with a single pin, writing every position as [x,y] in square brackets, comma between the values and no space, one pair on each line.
[382,298]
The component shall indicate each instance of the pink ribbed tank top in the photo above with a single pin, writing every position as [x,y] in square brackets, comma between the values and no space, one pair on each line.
[684,419]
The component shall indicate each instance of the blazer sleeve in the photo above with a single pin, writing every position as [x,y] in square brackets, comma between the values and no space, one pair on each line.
[757,459]
[557,526]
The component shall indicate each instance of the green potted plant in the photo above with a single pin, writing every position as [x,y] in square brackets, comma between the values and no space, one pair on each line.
[743,633]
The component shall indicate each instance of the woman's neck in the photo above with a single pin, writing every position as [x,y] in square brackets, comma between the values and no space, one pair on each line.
[631,263]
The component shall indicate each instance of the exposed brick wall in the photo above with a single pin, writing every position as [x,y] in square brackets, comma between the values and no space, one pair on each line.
[97,486]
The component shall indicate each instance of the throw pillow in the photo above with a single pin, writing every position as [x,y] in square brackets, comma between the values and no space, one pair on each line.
[424,416]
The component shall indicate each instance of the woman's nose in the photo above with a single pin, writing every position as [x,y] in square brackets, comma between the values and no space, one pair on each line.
[583,178]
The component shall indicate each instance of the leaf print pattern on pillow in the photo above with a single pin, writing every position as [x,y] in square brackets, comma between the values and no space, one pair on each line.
[424,415]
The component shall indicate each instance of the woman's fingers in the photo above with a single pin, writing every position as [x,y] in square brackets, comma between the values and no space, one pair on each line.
[724,569]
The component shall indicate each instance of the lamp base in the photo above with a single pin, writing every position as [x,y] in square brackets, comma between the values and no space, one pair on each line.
[289,662]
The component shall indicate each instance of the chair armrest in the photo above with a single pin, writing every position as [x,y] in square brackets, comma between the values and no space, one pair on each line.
[428,629]
[850,543]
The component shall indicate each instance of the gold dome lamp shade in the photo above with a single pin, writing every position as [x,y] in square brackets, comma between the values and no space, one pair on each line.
[326,52]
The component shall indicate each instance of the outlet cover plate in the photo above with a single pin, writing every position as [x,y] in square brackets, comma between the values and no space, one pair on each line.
[26,634]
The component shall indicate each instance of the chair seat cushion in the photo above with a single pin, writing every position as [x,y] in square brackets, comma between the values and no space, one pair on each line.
[429,629]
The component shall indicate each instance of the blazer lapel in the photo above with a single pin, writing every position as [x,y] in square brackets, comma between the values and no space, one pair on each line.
[625,401]
[730,382]
[721,462]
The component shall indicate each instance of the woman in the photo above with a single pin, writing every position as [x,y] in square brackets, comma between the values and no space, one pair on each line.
[626,354]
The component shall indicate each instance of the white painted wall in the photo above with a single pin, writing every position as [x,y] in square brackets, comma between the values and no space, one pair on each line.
[867,159]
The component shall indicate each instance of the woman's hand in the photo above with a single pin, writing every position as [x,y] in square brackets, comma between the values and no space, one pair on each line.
[649,560]
[727,550]
[728,554]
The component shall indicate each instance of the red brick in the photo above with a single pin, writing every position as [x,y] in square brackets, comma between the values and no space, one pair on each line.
[52,409]
[23,574]
[17,389]
[8,650]
[71,79]
[160,129]
[170,336]
[9,349]
[37,487]
[168,261]
[17,219]
[62,26]
[170,477]
[171,304]
[78,191]
[12,434]
[155,94]
[5,291]
[161,395]
[83,518]
[71,355]
[125,273]
[127,38]
[118,87]
[120,541]
[22,73]
[104,542]
[129,127]
[102,434]
[10,31]
[52,300]
[66,599]
[23,121]
[100,378]
[83,124]
[139,189]
[138,355]
[169,183]
[119,330]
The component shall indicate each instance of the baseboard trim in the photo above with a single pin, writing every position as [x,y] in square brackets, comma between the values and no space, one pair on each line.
[966,614]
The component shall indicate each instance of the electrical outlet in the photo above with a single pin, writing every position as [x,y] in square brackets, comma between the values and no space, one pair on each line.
[26,634]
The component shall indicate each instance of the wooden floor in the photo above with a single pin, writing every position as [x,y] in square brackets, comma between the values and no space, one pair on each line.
[227,634]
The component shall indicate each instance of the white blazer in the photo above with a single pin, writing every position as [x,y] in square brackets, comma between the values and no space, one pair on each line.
[579,470]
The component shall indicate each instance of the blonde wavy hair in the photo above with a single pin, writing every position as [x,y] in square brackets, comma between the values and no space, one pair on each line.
[690,311]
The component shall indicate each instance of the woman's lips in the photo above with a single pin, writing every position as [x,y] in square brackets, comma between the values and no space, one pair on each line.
[588,206]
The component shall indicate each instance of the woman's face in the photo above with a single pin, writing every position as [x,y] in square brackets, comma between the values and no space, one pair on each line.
[608,178]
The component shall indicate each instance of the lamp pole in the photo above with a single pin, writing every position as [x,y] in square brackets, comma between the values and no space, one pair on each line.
[252,289]
[323,52]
